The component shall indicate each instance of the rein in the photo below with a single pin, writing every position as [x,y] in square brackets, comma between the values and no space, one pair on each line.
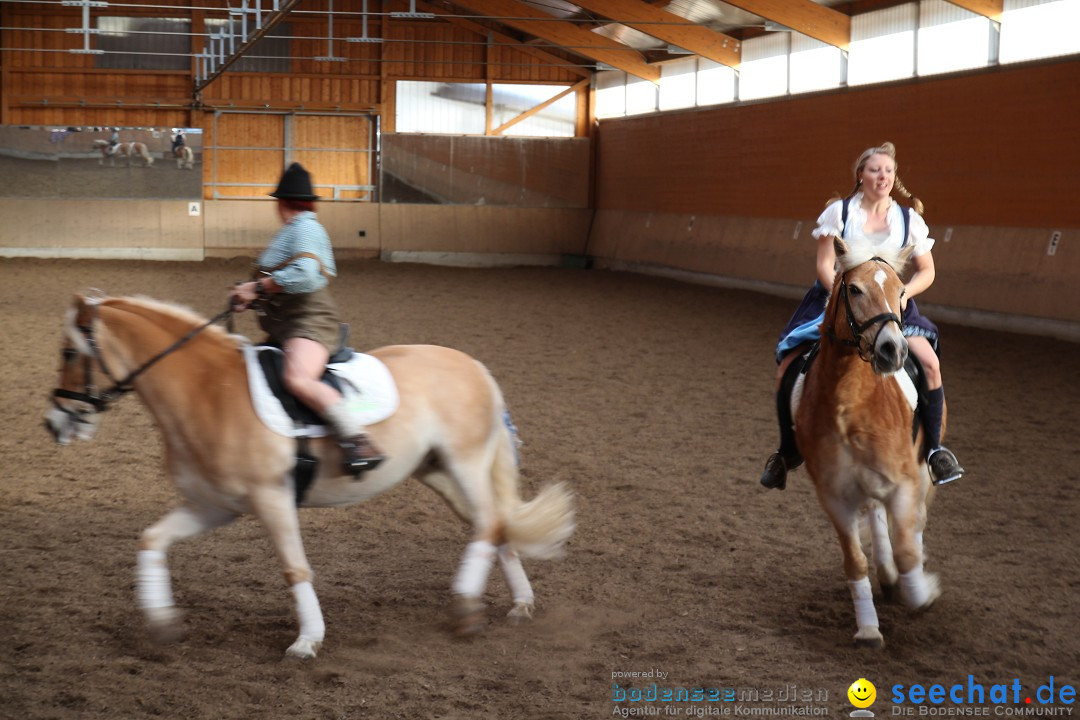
[120,387]
[857,329]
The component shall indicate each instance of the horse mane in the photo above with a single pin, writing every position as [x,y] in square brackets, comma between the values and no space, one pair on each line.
[852,258]
[182,314]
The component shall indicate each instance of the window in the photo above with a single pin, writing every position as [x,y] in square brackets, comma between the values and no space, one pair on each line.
[716,83]
[678,84]
[556,120]
[436,107]
[764,68]
[610,93]
[951,38]
[814,64]
[883,45]
[143,43]
[1039,28]
[640,96]
[270,54]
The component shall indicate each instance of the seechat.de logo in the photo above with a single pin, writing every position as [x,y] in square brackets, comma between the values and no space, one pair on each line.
[862,694]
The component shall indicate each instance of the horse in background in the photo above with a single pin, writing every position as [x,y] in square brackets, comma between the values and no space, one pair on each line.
[450,431]
[127,150]
[853,426]
[185,158]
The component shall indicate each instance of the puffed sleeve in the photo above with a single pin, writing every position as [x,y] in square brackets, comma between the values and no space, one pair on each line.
[830,223]
[919,234]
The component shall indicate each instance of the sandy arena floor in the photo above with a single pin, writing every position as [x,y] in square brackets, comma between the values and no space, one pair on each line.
[654,400]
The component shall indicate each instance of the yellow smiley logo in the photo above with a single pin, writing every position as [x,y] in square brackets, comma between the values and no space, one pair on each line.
[862,693]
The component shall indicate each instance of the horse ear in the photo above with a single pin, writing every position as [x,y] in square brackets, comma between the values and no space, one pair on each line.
[85,305]
[839,246]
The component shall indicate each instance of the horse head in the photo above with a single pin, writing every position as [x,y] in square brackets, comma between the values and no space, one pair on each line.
[76,403]
[869,289]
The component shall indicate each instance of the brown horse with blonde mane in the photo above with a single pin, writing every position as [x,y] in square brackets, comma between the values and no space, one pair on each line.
[854,429]
[126,150]
[450,431]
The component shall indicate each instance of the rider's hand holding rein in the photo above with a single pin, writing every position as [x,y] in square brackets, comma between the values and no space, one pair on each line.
[246,293]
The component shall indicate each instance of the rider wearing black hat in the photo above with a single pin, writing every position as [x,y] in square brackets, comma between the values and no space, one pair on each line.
[298,313]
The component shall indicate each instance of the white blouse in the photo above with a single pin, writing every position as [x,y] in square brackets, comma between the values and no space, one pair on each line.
[830,223]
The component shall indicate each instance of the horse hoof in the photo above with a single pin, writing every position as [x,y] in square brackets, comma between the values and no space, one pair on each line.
[468,615]
[869,638]
[304,648]
[521,613]
[165,625]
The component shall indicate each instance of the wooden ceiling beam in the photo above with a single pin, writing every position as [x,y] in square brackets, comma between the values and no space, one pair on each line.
[809,18]
[987,8]
[582,42]
[670,28]
[503,39]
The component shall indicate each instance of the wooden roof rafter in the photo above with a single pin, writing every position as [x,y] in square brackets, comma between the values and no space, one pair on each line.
[987,8]
[503,38]
[581,42]
[813,20]
[670,28]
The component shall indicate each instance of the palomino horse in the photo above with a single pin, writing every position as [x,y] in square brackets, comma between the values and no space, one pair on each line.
[854,429]
[126,150]
[449,431]
[185,158]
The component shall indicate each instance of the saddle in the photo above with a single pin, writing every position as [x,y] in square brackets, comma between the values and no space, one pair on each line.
[272,361]
[361,378]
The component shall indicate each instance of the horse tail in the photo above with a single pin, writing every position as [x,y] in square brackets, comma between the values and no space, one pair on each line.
[537,528]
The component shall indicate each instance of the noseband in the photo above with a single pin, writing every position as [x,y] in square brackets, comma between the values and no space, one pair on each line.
[857,329]
[101,401]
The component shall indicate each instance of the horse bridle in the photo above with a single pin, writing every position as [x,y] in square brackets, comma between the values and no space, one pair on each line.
[858,329]
[101,401]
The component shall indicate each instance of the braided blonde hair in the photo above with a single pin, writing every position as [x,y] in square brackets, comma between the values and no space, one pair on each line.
[886,148]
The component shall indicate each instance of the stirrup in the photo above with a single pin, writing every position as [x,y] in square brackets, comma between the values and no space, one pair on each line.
[360,455]
[943,466]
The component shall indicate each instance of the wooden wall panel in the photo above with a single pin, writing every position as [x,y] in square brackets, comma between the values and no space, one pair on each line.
[997,147]
[334,150]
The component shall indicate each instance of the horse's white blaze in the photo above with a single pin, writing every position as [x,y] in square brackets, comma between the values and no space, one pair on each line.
[473,572]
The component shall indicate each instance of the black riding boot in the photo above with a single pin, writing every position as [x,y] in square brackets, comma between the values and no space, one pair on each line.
[787,457]
[943,465]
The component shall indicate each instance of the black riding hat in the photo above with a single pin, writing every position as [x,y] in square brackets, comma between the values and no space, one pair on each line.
[295,184]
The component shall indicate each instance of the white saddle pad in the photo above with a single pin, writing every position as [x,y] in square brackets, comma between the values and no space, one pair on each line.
[369,388]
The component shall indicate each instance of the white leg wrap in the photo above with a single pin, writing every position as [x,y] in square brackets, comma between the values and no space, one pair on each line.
[152,580]
[516,578]
[475,565]
[312,626]
[915,588]
[863,597]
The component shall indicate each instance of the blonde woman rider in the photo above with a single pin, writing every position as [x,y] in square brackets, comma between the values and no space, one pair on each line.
[868,216]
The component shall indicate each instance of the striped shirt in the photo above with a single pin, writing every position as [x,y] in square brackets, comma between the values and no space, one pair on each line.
[302,234]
